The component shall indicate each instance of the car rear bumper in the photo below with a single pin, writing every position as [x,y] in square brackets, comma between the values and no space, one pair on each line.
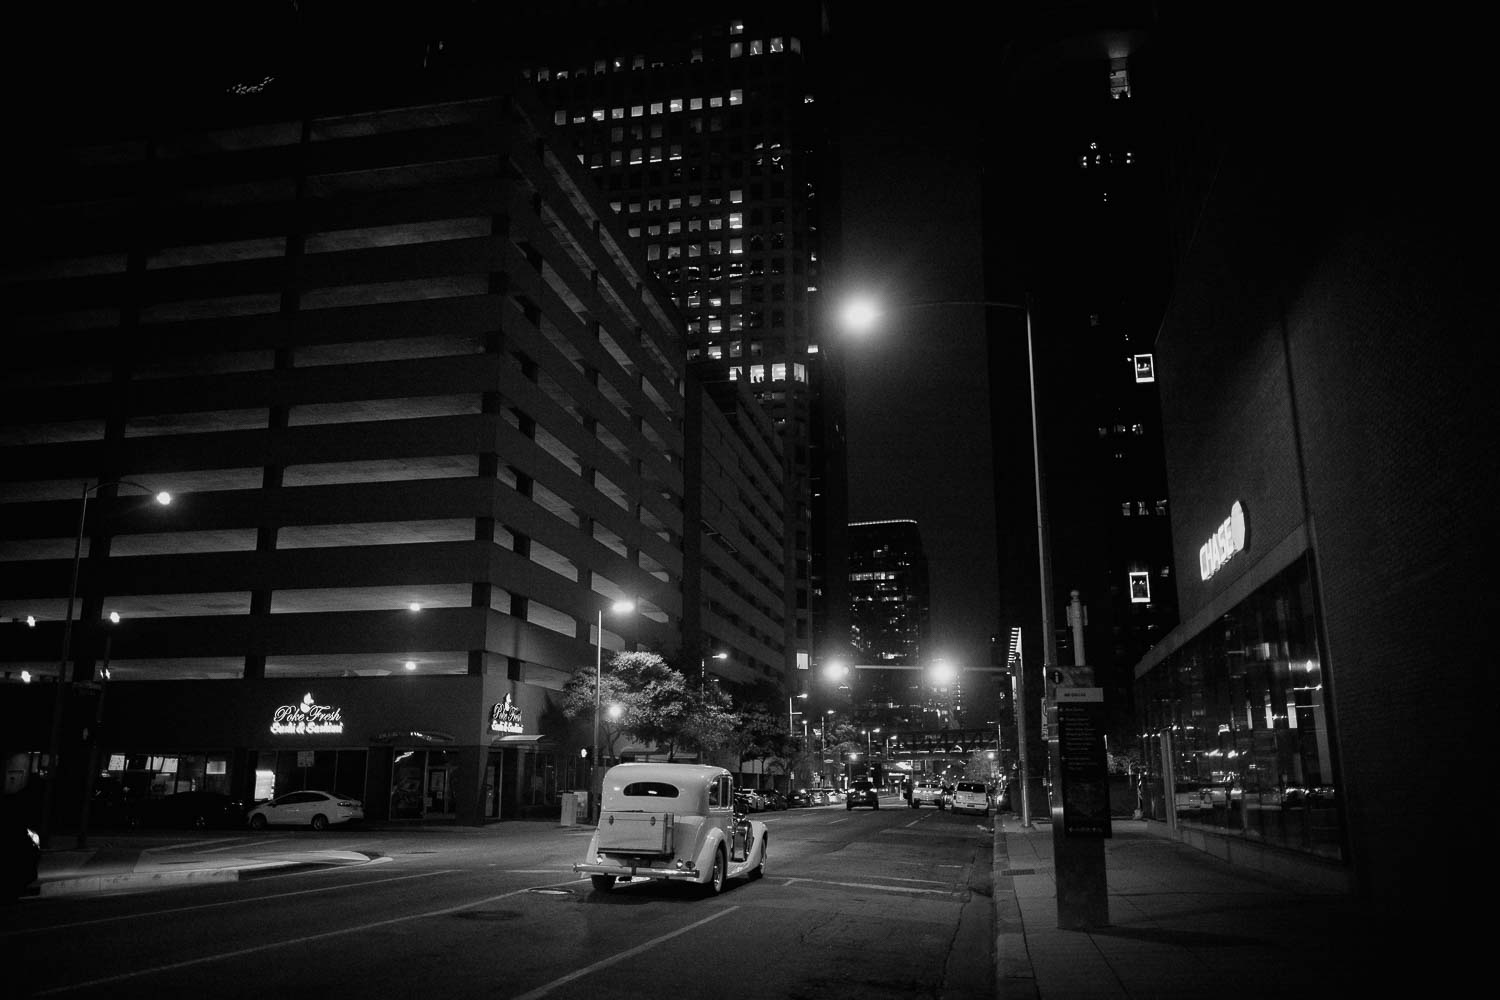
[689,874]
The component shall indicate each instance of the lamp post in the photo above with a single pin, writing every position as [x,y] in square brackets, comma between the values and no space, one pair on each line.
[703,671]
[619,607]
[96,735]
[54,746]
[791,728]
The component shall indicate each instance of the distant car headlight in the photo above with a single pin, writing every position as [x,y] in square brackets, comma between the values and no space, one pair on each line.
[36,841]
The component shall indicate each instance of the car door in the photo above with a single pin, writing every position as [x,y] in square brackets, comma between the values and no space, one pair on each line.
[295,809]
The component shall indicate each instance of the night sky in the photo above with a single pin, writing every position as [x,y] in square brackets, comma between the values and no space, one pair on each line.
[918,396]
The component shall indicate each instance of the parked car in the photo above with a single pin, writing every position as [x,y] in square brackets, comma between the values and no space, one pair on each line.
[22,852]
[672,822]
[319,810]
[862,793]
[798,797]
[971,797]
[927,793]
[774,800]
[751,800]
[193,810]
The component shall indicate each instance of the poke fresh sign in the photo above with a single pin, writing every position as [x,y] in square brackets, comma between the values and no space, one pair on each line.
[307,718]
[505,717]
[1224,543]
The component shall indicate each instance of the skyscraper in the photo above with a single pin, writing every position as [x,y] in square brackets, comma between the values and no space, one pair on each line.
[889,620]
[706,125]
[1075,226]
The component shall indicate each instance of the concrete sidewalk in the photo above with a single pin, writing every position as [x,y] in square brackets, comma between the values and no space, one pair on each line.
[1181,924]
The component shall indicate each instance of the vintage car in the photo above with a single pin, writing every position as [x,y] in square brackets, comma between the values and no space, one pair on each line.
[672,822]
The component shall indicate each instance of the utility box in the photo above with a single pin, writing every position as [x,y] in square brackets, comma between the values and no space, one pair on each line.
[575,805]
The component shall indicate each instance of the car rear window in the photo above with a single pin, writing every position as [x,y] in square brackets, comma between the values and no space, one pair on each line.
[971,786]
[652,789]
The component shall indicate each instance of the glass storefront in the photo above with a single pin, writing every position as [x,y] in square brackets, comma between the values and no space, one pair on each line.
[341,772]
[1235,726]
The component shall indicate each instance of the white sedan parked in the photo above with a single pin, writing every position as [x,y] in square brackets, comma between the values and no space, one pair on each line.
[319,810]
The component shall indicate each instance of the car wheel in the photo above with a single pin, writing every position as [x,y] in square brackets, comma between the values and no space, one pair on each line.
[602,883]
[760,869]
[320,822]
[258,821]
[716,877]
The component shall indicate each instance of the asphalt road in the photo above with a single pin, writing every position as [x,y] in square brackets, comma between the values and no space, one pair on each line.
[867,904]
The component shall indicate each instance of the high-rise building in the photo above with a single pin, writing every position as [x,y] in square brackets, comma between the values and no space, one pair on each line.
[1076,231]
[890,619]
[424,412]
[707,126]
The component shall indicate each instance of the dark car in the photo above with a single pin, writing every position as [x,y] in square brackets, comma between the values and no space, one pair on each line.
[22,853]
[191,810]
[863,793]
[797,797]
[774,799]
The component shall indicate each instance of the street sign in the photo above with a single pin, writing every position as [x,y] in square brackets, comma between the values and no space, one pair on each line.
[1083,768]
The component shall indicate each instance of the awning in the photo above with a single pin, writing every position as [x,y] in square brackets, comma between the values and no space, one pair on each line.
[524,741]
[412,736]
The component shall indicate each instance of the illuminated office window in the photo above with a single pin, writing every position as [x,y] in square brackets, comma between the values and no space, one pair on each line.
[736,27]
[656,107]
[778,372]
[736,96]
[597,114]
[757,373]
[777,45]
[736,49]
[799,372]
[757,47]
[675,104]
[637,110]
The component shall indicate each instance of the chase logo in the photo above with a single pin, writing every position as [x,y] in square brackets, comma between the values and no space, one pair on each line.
[1229,539]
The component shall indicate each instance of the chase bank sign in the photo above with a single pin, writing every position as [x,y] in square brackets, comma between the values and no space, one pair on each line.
[1224,543]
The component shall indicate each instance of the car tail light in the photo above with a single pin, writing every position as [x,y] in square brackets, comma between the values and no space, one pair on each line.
[349,804]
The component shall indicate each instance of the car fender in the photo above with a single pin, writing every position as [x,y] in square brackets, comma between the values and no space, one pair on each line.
[703,860]
[754,856]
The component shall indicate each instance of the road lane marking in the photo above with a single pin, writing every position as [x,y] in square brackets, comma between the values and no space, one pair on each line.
[870,885]
[225,902]
[269,946]
[605,963]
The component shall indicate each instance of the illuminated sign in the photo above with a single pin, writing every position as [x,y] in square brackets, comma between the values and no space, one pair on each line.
[1140,587]
[1145,368]
[1229,539]
[307,719]
[505,717]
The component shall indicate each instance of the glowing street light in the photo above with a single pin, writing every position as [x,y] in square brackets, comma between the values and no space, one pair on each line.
[790,725]
[619,608]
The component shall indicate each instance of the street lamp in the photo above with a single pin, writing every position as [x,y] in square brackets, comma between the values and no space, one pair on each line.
[703,671]
[54,748]
[791,728]
[619,607]
[861,315]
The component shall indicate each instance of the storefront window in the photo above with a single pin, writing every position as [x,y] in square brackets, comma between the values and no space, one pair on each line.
[1236,720]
